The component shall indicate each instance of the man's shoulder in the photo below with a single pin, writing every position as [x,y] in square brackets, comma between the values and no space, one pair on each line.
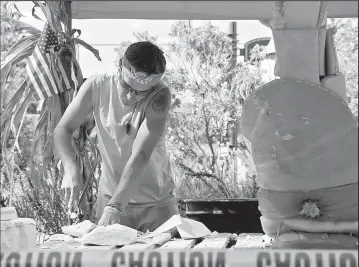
[99,79]
[159,103]
[100,85]
[161,85]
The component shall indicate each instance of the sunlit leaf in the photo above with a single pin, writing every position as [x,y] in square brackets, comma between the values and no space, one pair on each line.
[23,26]
[35,177]
[33,12]
[73,31]
[60,7]
[4,75]
[4,137]
[39,137]
[18,119]
[47,10]
[11,7]
[20,111]
[19,51]
[88,47]
[47,153]
[14,101]
[80,160]
[54,105]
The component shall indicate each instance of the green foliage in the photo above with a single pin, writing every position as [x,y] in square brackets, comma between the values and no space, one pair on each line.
[30,176]
[346,39]
[45,205]
[10,35]
[204,72]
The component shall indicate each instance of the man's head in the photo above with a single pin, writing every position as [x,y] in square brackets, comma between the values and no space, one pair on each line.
[141,67]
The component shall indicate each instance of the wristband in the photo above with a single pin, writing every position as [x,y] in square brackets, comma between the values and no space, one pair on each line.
[116,207]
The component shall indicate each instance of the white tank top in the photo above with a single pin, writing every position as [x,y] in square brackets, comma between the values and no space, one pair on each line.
[115,145]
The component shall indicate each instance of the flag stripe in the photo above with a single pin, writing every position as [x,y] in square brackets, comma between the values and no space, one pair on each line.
[44,75]
[34,84]
[46,68]
[36,77]
[54,71]
[37,70]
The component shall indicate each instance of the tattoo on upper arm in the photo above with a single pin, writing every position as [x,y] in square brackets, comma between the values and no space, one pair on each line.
[160,104]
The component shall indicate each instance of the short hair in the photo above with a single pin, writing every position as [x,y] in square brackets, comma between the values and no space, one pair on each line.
[147,57]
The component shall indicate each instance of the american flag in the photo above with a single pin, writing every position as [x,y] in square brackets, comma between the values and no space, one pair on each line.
[49,73]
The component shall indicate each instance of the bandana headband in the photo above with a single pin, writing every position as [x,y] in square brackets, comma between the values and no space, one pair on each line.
[138,76]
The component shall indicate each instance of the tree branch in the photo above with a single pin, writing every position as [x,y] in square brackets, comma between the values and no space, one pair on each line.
[221,185]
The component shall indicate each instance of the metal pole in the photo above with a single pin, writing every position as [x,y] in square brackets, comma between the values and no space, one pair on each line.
[233,35]
[234,42]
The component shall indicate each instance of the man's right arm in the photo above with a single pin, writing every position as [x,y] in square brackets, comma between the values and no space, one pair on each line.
[73,117]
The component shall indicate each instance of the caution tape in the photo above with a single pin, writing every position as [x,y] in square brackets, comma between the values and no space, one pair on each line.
[180,258]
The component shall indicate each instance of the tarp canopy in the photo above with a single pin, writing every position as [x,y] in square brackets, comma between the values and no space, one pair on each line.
[195,10]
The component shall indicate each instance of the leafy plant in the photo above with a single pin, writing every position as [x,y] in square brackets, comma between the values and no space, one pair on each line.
[346,39]
[44,165]
[204,70]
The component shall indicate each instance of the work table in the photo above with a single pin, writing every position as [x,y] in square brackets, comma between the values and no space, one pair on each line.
[166,241]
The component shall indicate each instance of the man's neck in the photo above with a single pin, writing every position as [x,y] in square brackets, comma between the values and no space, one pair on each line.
[127,108]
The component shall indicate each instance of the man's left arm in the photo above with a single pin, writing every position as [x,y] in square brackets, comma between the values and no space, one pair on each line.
[146,140]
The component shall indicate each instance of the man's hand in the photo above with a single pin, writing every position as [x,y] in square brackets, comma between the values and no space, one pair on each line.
[71,183]
[109,216]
